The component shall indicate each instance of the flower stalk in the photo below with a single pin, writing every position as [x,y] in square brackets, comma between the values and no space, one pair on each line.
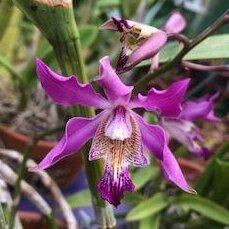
[56,21]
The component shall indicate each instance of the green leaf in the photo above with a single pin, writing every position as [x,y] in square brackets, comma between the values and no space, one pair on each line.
[88,34]
[204,185]
[134,198]
[170,51]
[143,175]
[214,47]
[5,63]
[204,207]
[148,207]
[152,222]
[107,3]
[3,223]
[221,182]
[80,199]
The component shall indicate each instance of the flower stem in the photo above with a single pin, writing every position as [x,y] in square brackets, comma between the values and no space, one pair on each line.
[56,21]
[144,81]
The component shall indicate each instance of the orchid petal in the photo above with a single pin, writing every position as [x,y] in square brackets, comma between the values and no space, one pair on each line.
[147,50]
[187,134]
[77,132]
[118,24]
[173,173]
[114,88]
[211,117]
[130,151]
[113,185]
[153,137]
[154,63]
[167,102]
[109,24]
[199,109]
[118,125]
[67,90]
[176,23]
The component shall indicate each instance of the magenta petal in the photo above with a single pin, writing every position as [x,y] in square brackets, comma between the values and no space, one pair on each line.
[112,188]
[77,132]
[176,23]
[167,102]
[211,117]
[114,88]
[147,50]
[67,90]
[173,173]
[187,134]
[199,109]
[153,137]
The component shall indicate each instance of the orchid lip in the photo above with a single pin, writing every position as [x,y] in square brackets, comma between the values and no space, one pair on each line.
[118,126]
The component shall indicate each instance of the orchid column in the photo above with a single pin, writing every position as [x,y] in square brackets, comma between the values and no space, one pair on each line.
[56,21]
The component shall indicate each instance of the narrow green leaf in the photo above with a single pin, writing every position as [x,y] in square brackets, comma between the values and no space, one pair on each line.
[143,175]
[88,34]
[205,182]
[204,207]
[3,223]
[170,51]
[152,222]
[107,3]
[214,47]
[221,182]
[80,199]
[134,198]
[148,207]
[5,63]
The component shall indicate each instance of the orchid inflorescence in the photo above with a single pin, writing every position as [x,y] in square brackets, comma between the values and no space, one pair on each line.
[120,136]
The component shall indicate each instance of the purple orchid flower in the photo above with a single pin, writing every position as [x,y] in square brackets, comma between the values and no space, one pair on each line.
[140,41]
[121,137]
[183,128]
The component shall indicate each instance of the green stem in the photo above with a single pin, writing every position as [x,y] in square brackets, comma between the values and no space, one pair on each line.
[57,23]
[143,82]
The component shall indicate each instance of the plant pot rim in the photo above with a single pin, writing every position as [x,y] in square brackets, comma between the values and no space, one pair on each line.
[22,137]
